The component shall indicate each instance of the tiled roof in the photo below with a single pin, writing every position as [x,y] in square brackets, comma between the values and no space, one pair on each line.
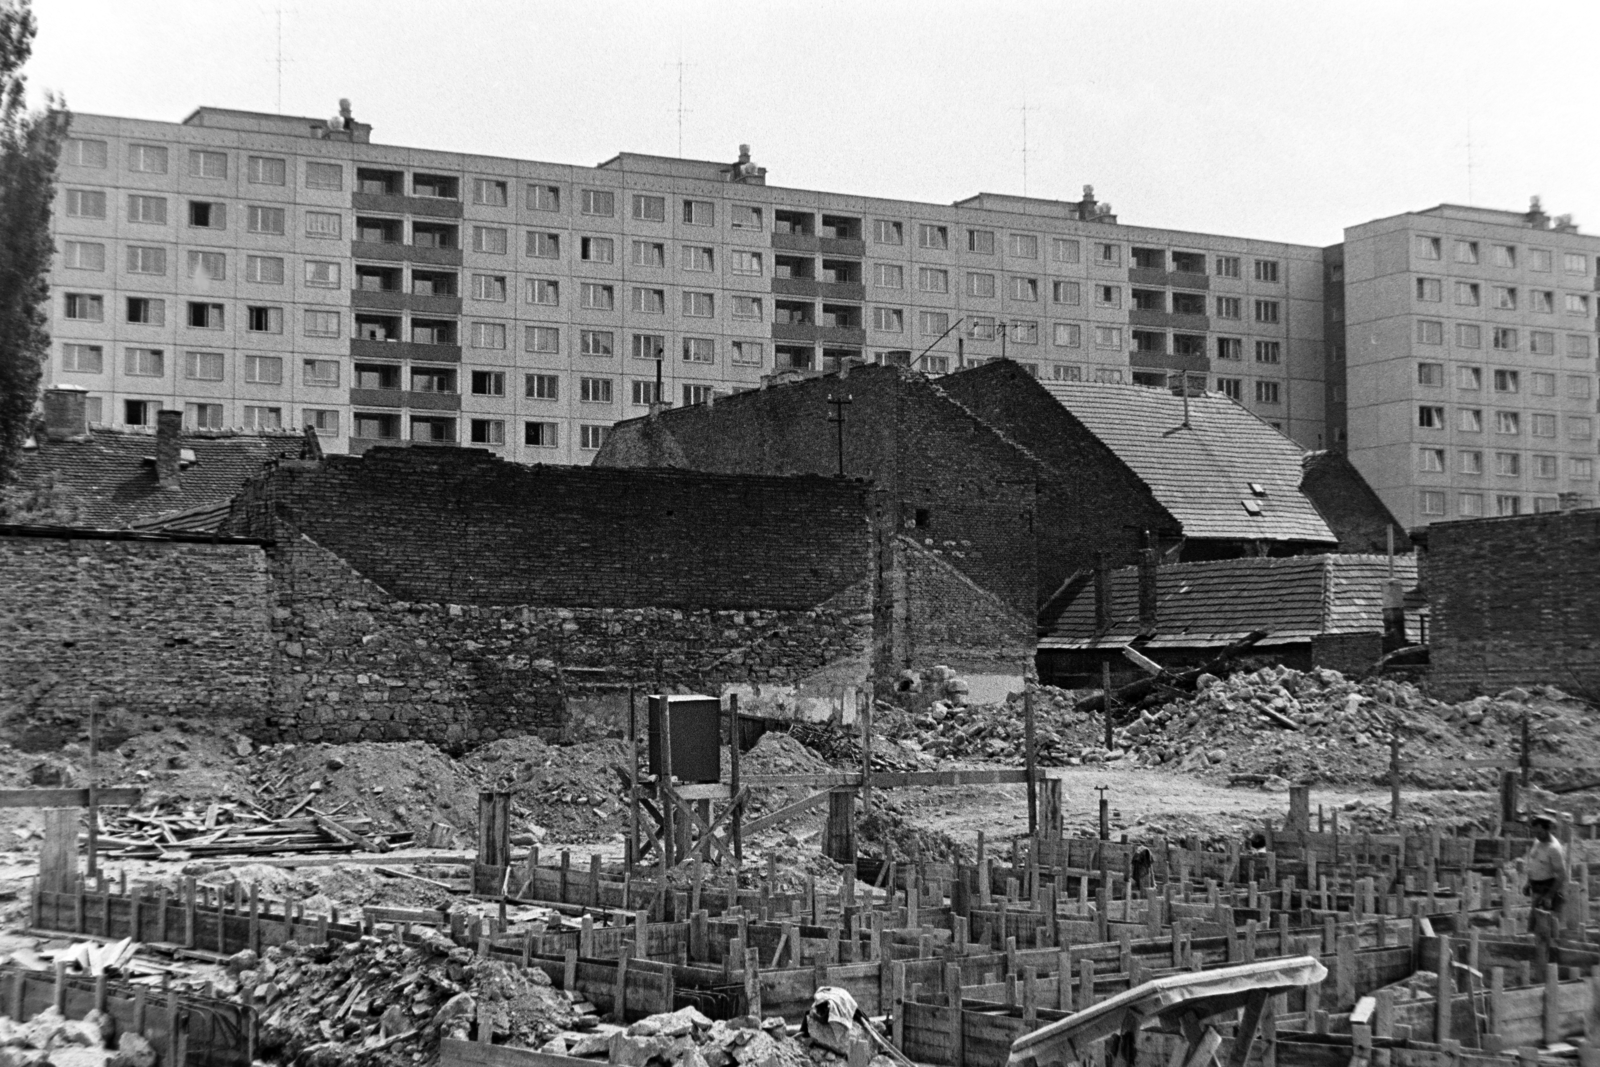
[1201,473]
[1215,603]
[109,479]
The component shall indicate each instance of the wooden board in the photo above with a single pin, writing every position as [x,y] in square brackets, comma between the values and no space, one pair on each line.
[118,797]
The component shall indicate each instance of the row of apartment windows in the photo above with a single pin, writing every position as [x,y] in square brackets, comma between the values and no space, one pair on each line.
[1499,255]
[1502,338]
[1471,505]
[1503,297]
[200,366]
[1507,423]
[208,416]
[1506,464]
[203,163]
[202,266]
[204,214]
[433,429]
[201,315]
[1266,391]
[1541,383]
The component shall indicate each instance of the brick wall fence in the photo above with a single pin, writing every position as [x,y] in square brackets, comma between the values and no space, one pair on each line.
[1514,602]
[144,626]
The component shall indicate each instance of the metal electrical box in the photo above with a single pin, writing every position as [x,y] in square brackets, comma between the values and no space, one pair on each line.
[696,737]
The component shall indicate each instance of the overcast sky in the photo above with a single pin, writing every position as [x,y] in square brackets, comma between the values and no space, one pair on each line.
[1285,121]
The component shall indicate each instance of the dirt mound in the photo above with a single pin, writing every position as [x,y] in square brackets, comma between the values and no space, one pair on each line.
[401,785]
[568,793]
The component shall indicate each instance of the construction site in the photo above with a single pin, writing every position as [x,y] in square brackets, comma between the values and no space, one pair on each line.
[701,757]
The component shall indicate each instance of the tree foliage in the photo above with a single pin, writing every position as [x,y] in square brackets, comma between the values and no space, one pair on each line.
[30,144]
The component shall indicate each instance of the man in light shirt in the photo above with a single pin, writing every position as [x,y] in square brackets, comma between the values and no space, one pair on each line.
[1546,870]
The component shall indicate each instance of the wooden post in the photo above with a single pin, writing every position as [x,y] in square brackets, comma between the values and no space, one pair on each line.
[1105,686]
[494,842]
[1444,993]
[1030,758]
[93,842]
[839,834]
[1525,753]
[664,794]
[633,782]
[864,713]
[737,819]
[1394,776]
[1299,817]
[58,855]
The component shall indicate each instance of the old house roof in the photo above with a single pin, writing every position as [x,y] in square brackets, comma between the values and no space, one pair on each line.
[1227,475]
[1293,598]
[107,480]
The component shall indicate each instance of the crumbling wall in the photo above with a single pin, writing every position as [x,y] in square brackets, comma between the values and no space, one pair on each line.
[143,625]
[1513,603]
[953,621]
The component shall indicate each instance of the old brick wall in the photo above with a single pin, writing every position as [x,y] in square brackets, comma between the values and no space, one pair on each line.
[951,620]
[1514,602]
[952,480]
[1346,653]
[142,625]
[1355,514]
[1089,501]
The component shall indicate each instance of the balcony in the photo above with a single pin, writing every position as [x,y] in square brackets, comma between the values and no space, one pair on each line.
[1166,320]
[377,398]
[433,207]
[813,289]
[1168,278]
[433,401]
[394,253]
[393,300]
[828,246]
[1196,362]
[362,349]
[810,334]
[405,398]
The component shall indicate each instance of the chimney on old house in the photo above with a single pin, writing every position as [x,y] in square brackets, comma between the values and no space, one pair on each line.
[1102,594]
[1148,562]
[169,428]
[66,413]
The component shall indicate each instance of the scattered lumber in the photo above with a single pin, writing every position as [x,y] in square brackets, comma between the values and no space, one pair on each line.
[231,828]
[1131,696]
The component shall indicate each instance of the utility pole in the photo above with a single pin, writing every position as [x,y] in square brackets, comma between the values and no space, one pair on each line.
[1005,330]
[837,418]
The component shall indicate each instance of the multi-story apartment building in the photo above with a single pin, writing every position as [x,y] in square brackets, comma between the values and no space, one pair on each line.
[1464,382]
[265,271]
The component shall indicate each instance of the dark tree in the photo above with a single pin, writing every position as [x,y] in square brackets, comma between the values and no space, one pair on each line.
[29,147]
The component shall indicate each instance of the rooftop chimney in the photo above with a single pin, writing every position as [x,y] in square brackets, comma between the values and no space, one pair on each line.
[1148,563]
[66,413]
[1102,594]
[169,426]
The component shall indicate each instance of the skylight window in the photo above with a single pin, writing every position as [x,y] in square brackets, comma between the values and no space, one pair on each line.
[1252,507]
[1257,489]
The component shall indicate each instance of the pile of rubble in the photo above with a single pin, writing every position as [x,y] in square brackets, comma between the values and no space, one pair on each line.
[51,1040]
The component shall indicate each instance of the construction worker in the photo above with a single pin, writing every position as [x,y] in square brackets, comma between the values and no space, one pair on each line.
[1546,870]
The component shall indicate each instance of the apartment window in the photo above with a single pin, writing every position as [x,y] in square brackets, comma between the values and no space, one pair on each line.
[1067,335]
[376,376]
[147,159]
[1504,339]
[1575,263]
[1430,374]
[545,339]
[263,418]
[1577,346]
[1503,255]
[1065,250]
[1507,422]
[83,152]
[1546,467]
[204,215]
[146,311]
[1430,290]
[1429,416]
[980,327]
[143,362]
[85,307]
[266,170]
[1505,298]
[1430,332]
[263,270]
[1232,388]
[649,301]
[150,209]
[1542,300]
[1024,333]
[1426,247]
[1269,351]
[486,432]
[597,297]
[594,390]
[890,276]
[1506,381]
[888,232]
[1266,271]
[1466,251]
[1541,260]
[319,372]
[1025,289]
[542,386]
[1469,377]
[544,198]
[328,176]
[1470,505]
[696,258]
[747,307]
[1108,296]
[1432,502]
[1230,348]
[1578,386]
[699,305]
[1468,335]
[981,242]
[323,225]
[697,394]
[1108,337]
[1471,462]
[932,323]
[202,416]
[139,412]
[1065,293]
[649,346]
[204,366]
[748,353]
[490,287]
[543,245]
[595,342]
[1577,304]
[490,192]
[1470,420]
[1580,468]
[86,204]
[141,259]
[1468,294]
[1229,307]
[263,370]
[492,240]
[540,434]
[268,220]
[490,335]
[263,319]
[699,350]
[930,236]
[933,280]
[980,285]
[323,275]
[598,202]
[1227,266]
[699,213]
[203,316]
[1267,393]
[82,359]
[596,249]
[1267,311]
[321,323]
[432,380]
[321,420]
[649,208]
[745,217]
[1430,460]
[1024,246]
[1541,343]
[1508,464]
[1107,255]
[745,263]
[1579,428]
